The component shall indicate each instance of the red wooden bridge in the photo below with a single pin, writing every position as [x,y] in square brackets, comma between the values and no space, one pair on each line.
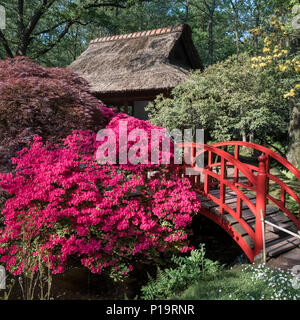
[236,195]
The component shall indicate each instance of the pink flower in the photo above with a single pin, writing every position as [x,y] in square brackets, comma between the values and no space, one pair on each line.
[63,203]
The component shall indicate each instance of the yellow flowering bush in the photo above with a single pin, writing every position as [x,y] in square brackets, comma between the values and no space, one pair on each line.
[290,94]
[275,55]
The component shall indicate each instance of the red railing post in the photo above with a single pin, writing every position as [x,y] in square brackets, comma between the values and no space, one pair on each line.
[193,177]
[222,185]
[236,156]
[207,177]
[261,196]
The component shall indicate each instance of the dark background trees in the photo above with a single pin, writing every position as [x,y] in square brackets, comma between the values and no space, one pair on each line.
[55,32]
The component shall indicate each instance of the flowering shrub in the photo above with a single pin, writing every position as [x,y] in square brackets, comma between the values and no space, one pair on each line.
[65,204]
[138,140]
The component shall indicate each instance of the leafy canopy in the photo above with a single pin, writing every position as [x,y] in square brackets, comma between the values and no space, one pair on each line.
[230,100]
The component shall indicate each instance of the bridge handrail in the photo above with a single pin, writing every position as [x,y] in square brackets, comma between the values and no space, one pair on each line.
[231,211]
[194,150]
[281,204]
[229,158]
[265,150]
[257,179]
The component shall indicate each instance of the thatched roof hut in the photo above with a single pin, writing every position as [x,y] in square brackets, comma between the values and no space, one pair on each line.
[124,69]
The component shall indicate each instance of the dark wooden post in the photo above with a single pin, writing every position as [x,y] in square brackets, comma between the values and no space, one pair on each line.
[126,107]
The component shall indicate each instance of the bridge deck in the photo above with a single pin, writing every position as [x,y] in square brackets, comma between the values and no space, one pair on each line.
[277,242]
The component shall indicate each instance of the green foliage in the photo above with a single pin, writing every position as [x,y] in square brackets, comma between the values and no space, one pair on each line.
[230,100]
[53,32]
[249,282]
[289,175]
[174,280]
[291,181]
[280,56]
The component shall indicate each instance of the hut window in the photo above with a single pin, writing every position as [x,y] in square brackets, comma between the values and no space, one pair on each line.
[126,108]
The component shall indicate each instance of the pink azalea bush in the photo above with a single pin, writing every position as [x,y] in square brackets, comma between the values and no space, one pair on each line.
[63,203]
[149,138]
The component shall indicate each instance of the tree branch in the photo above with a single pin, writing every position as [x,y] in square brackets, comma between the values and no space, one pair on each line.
[21,15]
[114,4]
[26,33]
[59,38]
[99,5]
[209,12]
[206,5]
[51,28]
[5,45]
[37,16]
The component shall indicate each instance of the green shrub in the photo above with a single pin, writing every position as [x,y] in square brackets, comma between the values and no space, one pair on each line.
[247,282]
[230,100]
[172,281]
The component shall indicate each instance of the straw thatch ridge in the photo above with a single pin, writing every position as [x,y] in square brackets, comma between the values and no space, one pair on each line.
[139,34]
[142,61]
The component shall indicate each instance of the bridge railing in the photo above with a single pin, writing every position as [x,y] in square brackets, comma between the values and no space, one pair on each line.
[214,175]
[255,179]
[269,157]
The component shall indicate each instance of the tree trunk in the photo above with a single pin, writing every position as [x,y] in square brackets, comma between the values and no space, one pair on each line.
[23,46]
[236,26]
[237,42]
[210,7]
[251,137]
[244,135]
[187,11]
[294,136]
[257,24]
[211,41]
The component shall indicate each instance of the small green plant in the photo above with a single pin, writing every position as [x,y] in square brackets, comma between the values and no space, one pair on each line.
[7,292]
[172,281]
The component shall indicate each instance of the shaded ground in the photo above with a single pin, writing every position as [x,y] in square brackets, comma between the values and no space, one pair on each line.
[286,261]
[219,245]
[77,283]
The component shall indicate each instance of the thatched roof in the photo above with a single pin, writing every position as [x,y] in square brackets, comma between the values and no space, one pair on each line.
[150,60]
